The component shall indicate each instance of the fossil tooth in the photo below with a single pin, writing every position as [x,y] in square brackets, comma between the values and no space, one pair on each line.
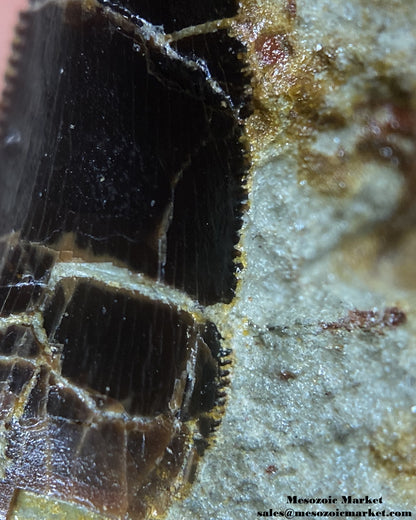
[122,187]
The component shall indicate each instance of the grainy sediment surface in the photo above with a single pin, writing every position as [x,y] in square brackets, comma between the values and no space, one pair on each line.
[322,398]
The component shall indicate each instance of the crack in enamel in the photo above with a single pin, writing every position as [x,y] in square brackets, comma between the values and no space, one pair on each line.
[143,33]
[193,84]
[123,436]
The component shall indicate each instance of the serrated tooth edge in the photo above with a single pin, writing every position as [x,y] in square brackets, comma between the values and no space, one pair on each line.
[12,69]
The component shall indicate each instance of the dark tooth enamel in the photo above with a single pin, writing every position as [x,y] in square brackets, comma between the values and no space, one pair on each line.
[133,151]
[116,148]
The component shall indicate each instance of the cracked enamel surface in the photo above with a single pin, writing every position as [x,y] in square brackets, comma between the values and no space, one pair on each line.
[122,156]
[322,396]
[123,184]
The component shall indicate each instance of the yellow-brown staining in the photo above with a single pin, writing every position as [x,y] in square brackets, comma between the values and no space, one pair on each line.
[378,128]
[393,448]
[336,175]
[285,91]
[401,261]
[292,84]
[304,97]
[387,263]
[30,505]
[386,139]
[389,137]
[295,91]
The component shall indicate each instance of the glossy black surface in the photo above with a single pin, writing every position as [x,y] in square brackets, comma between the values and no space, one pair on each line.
[176,14]
[132,150]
